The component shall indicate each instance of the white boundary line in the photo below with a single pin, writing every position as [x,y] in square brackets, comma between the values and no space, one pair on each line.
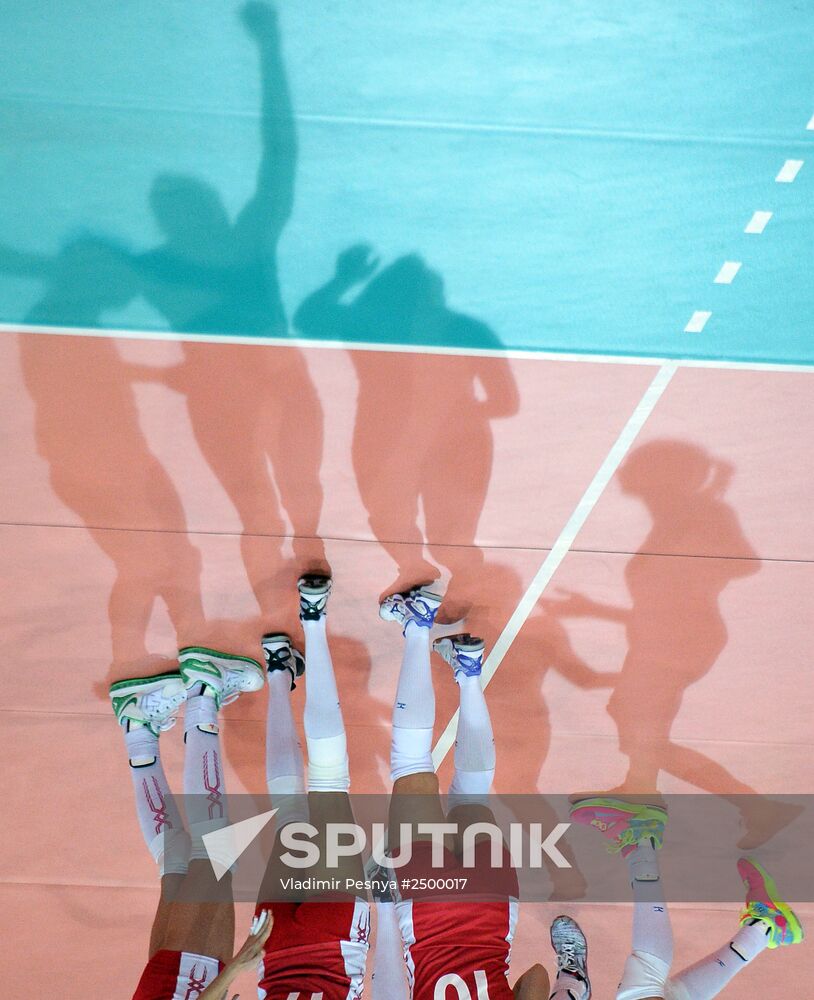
[564,542]
[467,352]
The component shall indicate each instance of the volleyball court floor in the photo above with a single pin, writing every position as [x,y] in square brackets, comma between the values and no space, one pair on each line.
[687,587]
[631,536]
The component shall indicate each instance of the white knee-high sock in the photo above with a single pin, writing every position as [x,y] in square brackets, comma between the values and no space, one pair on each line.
[652,931]
[285,770]
[158,815]
[389,981]
[414,709]
[324,726]
[707,978]
[204,785]
[474,742]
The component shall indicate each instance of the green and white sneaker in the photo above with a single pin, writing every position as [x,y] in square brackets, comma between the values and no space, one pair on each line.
[227,674]
[152,702]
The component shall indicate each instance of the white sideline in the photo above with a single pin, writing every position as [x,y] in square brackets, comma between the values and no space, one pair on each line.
[301,343]
[566,539]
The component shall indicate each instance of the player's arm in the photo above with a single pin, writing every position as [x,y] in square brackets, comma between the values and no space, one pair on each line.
[246,958]
[532,985]
[321,313]
[267,212]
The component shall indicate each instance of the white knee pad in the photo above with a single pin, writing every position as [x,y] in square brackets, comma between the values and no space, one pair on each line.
[170,850]
[410,752]
[470,787]
[288,797]
[217,849]
[328,764]
[676,991]
[645,976]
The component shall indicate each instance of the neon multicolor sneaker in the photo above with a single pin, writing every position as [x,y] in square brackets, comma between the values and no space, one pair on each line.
[571,949]
[764,903]
[419,605]
[280,654]
[314,589]
[153,702]
[625,824]
[463,652]
[227,674]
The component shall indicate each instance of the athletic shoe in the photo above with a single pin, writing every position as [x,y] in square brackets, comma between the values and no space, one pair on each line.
[571,948]
[228,675]
[383,887]
[764,903]
[154,702]
[419,605]
[463,652]
[281,655]
[625,824]
[315,589]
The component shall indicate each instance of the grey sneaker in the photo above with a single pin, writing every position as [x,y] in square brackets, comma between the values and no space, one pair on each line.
[569,943]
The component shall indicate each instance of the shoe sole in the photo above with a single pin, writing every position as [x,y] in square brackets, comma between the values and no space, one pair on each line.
[642,810]
[137,685]
[792,920]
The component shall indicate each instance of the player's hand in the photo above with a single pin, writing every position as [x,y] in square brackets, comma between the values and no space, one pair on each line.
[567,603]
[259,19]
[252,949]
[356,264]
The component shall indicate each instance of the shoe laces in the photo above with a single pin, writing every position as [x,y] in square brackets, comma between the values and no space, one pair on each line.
[155,703]
[638,831]
[421,612]
[469,664]
[567,956]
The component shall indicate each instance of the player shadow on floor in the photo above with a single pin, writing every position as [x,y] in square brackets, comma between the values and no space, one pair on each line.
[422,437]
[250,406]
[100,464]
[674,626]
[519,708]
[255,411]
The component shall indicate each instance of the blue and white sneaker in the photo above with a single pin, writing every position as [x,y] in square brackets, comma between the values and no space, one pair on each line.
[280,654]
[418,605]
[227,674]
[315,589]
[463,652]
[571,949]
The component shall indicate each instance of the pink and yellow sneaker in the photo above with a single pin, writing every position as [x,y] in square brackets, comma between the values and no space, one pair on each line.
[625,824]
[764,903]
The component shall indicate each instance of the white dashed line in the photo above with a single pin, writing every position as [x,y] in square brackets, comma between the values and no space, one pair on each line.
[728,271]
[698,321]
[789,171]
[758,222]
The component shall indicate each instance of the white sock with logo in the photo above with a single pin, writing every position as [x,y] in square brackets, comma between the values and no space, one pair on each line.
[158,815]
[474,744]
[414,708]
[285,769]
[324,726]
[707,978]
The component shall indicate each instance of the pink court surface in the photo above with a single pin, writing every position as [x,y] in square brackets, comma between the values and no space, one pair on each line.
[642,563]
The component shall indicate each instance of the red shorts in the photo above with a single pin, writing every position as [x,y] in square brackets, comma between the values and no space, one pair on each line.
[460,938]
[316,947]
[176,975]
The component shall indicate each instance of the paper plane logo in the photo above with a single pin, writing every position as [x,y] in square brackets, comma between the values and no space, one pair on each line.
[225,846]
